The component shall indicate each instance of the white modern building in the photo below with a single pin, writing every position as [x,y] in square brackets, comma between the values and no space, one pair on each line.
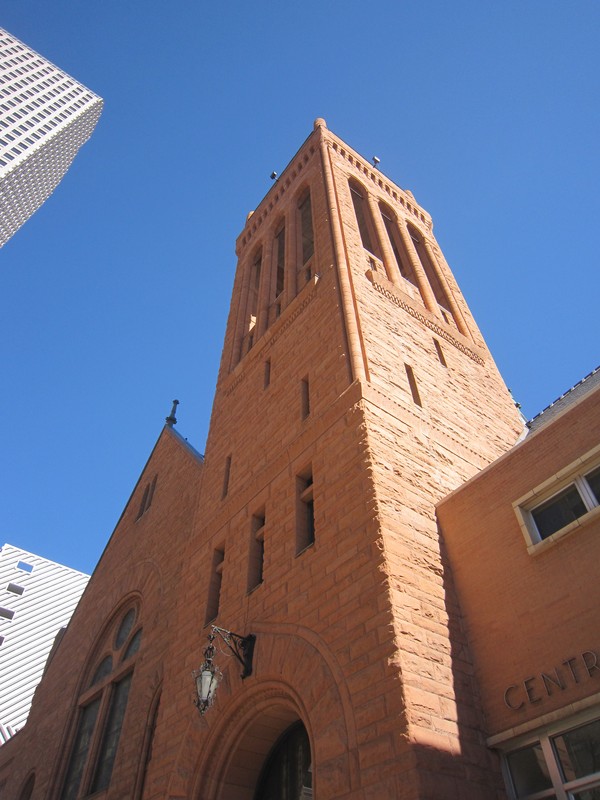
[45,117]
[37,599]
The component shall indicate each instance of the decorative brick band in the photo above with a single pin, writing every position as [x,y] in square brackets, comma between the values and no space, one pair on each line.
[443,334]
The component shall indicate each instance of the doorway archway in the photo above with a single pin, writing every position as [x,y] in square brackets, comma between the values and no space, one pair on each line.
[287,772]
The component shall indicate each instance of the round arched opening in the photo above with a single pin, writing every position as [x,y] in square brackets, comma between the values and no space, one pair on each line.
[287,772]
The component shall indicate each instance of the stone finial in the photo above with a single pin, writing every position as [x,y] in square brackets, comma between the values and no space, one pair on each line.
[320,123]
[172,419]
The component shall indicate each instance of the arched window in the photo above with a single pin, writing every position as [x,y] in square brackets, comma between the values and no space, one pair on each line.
[287,772]
[279,260]
[27,789]
[307,239]
[402,260]
[253,296]
[363,219]
[430,271]
[102,706]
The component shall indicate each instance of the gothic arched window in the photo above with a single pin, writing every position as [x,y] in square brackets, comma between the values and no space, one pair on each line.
[253,298]
[363,219]
[430,269]
[403,263]
[287,772]
[102,706]
[307,239]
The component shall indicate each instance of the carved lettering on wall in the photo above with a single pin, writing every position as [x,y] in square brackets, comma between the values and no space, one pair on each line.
[536,688]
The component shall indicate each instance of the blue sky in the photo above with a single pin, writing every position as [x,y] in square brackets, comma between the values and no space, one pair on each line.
[115,293]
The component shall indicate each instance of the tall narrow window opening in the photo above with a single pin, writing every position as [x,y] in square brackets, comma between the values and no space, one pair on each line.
[257,550]
[112,733]
[412,382]
[267,376]
[279,261]
[214,588]
[305,509]
[440,353]
[226,477]
[403,262]
[146,501]
[253,295]
[305,397]
[307,237]
[365,227]
[431,273]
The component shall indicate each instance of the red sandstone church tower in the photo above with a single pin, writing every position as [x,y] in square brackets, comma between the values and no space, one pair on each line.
[355,391]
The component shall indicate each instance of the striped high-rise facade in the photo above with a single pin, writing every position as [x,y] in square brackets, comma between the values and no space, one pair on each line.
[37,599]
[45,117]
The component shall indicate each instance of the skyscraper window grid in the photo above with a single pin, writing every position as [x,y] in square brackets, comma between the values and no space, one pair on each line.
[45,117]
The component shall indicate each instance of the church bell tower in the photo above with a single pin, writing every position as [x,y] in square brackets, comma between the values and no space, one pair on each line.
[355,391]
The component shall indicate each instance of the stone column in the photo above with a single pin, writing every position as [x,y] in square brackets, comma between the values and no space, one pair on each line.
[453,307]
[424,287]
[387,254]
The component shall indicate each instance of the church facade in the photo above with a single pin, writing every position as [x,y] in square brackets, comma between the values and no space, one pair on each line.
[355,396]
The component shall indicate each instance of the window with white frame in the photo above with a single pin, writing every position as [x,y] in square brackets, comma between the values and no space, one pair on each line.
[559,505]
[563,764]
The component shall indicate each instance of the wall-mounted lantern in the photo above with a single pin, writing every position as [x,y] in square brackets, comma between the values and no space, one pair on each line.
[208,675]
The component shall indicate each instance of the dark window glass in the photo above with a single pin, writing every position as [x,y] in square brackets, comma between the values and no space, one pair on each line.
[586,794]
[529,771]
[287,774]
[15,588]
[125,628]
[108,748]
[134,645]
[87,720]
[104,669]
[593,479]
[6,613]
[559,511]
[578,751]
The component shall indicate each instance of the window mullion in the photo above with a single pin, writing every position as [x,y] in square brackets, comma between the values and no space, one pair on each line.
[88,770]
[586,493]
[553,768]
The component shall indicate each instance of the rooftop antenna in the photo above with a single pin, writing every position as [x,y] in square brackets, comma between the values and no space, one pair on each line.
[172,419]
[273,176]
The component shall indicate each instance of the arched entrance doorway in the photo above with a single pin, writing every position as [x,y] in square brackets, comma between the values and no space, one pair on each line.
[287,772]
